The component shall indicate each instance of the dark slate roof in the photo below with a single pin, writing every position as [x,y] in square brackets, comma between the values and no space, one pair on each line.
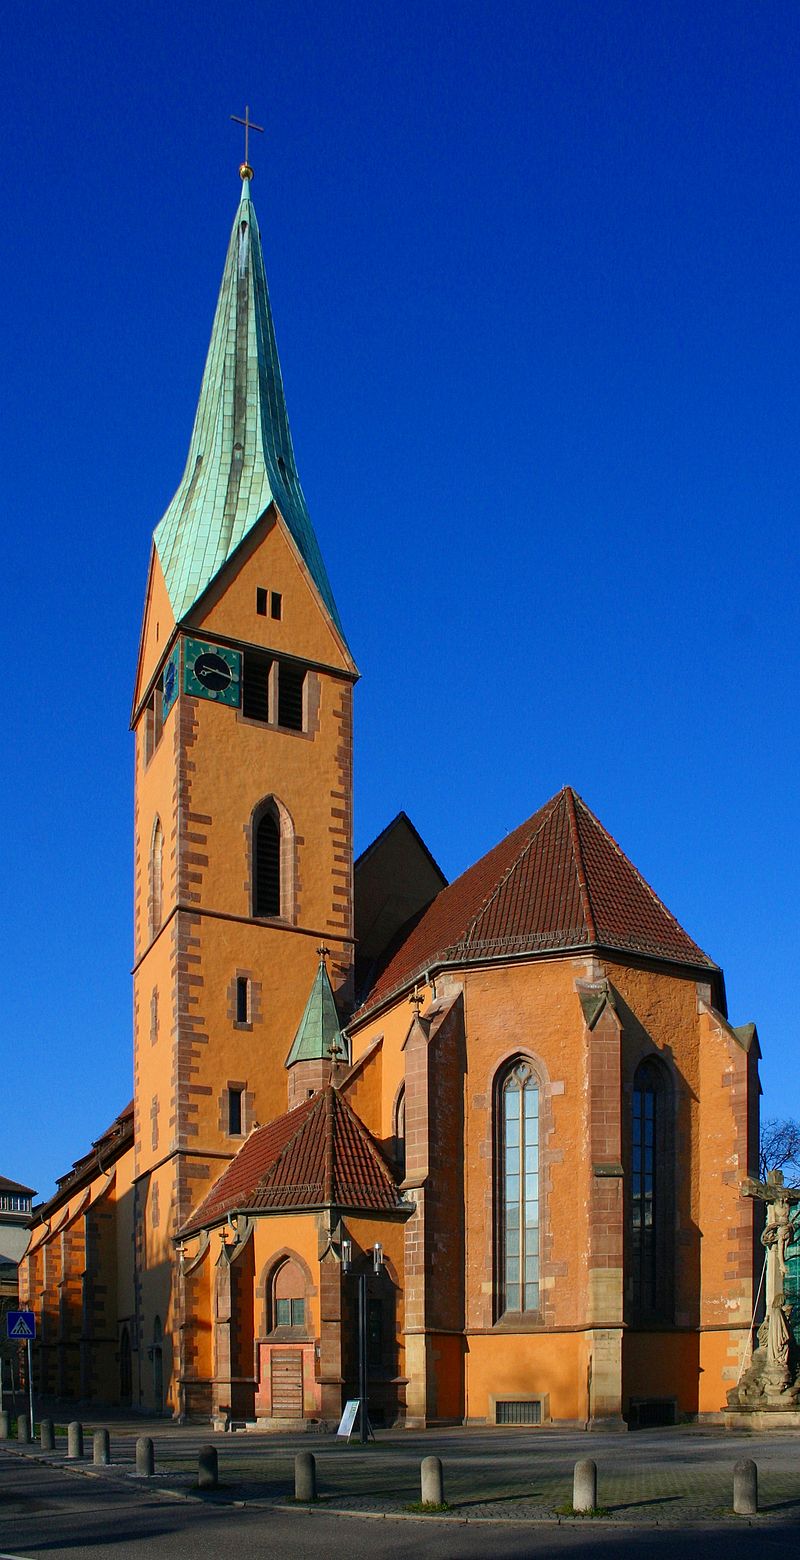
[102,1154]
[559,881]
[16,1187]
[318,1155]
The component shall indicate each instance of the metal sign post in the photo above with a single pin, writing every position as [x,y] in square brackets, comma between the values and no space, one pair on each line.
[30,1388]
[21,1328]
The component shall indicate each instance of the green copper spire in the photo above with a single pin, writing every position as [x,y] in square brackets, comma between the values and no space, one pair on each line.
[241,456]
[318,1029]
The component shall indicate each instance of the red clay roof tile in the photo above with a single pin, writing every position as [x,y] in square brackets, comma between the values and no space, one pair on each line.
[318,1154]
[558,881]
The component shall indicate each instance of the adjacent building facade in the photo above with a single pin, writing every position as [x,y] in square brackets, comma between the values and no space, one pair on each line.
[523,1086]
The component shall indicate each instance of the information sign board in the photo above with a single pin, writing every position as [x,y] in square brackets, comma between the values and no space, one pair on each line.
[348,1419]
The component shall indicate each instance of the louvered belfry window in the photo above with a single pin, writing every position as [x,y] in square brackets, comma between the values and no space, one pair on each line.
[255,685]
[519,1189]
[291,679]
[267,898]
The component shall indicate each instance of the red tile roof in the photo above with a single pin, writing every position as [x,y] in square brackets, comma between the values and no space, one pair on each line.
[558,881]
[318,1154]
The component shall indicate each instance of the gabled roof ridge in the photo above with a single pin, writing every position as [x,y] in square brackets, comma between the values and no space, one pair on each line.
[312,1109]
[544,814]
[363,1131]
[642,880]
[401,816]
[580,865]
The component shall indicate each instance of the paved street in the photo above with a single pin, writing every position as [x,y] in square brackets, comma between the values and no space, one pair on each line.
[508,1492]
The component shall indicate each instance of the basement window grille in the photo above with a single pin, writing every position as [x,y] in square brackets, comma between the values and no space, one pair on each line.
[519,1412]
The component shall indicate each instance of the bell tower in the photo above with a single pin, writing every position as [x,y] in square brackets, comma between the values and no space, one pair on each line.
[243,794]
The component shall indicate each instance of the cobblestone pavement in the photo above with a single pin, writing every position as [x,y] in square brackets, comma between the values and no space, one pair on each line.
[662,1477]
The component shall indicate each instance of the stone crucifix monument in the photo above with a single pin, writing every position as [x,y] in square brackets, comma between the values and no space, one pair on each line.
[771,1385]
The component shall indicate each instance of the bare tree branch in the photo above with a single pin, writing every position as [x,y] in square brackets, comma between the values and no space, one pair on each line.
[779,1148]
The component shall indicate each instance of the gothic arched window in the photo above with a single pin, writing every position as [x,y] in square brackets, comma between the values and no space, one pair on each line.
[288,1297]
[518,1188]
[652,1195]
[156,884]
[400,1130]
[267,862]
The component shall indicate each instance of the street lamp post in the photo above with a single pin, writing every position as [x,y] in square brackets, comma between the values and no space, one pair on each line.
[365,1429]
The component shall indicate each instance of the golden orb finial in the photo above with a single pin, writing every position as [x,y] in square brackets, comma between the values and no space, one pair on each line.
[245,171]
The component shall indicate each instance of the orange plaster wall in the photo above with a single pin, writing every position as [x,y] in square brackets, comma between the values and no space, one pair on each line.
[393,1025]
[284,965]
[365,1092]
[288,1235]
[534,1009]
[157,626]
[720,1358]
[662,1364]
[236,763]
[527,1363]
[269,559]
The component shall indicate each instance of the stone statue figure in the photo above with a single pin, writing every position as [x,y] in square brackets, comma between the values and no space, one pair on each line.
[771,1380]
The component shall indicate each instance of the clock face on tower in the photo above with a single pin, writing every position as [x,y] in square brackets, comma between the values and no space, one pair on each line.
[171,675]
[211,671]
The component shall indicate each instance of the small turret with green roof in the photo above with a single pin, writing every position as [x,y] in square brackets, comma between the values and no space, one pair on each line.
[319,1036]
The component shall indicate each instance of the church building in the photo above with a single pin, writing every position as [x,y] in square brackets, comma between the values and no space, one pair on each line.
[514,1102]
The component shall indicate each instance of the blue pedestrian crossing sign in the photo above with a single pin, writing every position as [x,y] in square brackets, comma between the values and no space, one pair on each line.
[21,1325]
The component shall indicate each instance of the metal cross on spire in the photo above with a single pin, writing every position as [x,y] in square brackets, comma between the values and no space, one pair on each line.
[245,170]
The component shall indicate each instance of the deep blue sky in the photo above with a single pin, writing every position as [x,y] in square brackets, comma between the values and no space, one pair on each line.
[534,270]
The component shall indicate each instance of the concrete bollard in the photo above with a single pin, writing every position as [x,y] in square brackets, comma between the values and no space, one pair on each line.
[75,1439]
[5,1424]
[745,1488]
[101,1449]
[207,1468]
[584,1486]
[47,1435]
[305,1476]
[145,1457]
[432,1481]
[23,1429]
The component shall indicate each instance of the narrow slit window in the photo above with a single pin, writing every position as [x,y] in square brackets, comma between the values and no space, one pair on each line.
[235,1112]
[276,605]
[261,601]
[242,999]
[154,720]
[652,1191]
